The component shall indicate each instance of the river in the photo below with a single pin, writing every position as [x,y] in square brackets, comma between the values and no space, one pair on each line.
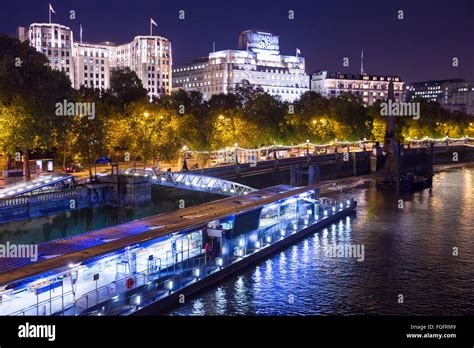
[418,260]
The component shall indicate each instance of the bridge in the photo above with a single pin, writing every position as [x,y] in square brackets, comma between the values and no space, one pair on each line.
[192,181]
[42,184]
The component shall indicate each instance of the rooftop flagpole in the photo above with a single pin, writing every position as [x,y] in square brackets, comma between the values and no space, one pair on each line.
[152,23]
[50,10]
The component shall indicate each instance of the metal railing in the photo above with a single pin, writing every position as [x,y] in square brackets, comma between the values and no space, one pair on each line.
[192,181]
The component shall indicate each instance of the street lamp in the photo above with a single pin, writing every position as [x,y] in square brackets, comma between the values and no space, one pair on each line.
[307,147]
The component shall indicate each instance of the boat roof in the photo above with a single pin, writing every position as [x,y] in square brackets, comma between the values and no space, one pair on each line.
[75,249]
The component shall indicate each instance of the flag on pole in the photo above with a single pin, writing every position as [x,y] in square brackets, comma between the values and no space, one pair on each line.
[298,51]
[152,23]
[80,32]
[50,10]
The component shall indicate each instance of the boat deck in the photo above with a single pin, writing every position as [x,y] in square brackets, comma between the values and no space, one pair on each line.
[75,249]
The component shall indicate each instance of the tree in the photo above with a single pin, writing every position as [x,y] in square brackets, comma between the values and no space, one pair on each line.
[88,133]
[28,85]
[126,86]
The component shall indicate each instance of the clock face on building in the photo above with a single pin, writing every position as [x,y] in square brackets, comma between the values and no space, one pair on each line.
[264,41]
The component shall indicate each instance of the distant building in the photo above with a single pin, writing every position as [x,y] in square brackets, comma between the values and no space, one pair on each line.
[258,61]
[55,41]
[150,57]
[90,65]
[453,94]
[369,88]
[436,90]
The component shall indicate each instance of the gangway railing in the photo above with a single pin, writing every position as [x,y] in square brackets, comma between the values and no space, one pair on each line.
[192,181]
[42,184]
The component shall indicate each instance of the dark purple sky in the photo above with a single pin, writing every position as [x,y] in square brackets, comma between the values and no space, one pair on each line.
[420,47]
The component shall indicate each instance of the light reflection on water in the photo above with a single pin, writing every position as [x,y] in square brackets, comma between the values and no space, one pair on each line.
[407,251]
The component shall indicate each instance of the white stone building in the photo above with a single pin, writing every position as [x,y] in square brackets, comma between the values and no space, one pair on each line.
[258,61]
[90,65]
[369,88]
[55,41]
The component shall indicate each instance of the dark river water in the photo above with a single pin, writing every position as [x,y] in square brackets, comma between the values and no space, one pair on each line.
[418,260]
[67,224]
[408,255]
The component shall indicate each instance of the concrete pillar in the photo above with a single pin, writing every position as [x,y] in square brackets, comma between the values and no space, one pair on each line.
[299,175]
[311,174]
[354,163]
[293,175]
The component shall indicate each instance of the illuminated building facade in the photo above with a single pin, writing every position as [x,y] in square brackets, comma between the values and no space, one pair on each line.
[90,65]
[369,88]
[55,41]
[453,94]
[150,57]
[257,61]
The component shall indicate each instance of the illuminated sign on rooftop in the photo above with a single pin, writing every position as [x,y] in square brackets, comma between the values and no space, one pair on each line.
[259,42]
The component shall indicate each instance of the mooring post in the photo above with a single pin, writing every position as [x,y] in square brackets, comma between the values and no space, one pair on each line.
[354,163]
[398,153]
[431,163]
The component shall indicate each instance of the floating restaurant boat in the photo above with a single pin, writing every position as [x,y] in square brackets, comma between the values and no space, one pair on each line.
[143,266]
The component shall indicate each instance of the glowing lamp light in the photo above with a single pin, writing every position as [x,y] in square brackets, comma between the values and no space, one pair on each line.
[333,209]
[348,202]
[269,239]
[341,205]
[170,285]
[241,243]
[282,232]
[316,216]
[197,272]
[219,262]
[257,244]
[325,213]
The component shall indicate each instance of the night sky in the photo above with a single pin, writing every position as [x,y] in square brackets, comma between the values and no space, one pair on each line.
[419,47]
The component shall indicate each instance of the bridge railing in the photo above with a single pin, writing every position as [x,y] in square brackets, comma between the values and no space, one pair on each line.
[192,181]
